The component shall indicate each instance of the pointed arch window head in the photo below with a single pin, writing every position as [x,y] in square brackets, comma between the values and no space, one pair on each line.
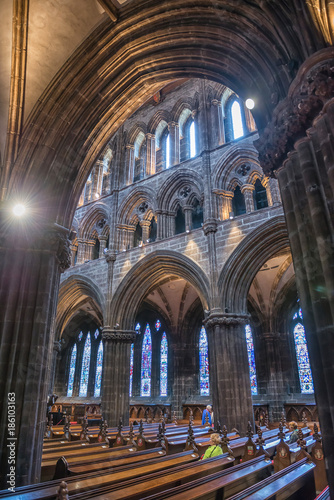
[85,368]
[146,363]
[192,140]
[251,359]
[72,371]
[131,367]
[303,361]
[204,363]
[238,129]
[98,375]
[163,365]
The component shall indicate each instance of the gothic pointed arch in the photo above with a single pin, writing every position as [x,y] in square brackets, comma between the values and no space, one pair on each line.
[153,268]
[95,218]
[239,161]
[178,187]
[138,203]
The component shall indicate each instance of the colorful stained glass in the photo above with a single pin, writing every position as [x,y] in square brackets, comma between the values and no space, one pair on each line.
[72,372]
[96,334]
[203,364]
[98,376]
[85,368]
[295,316]
[157,325]
[303,362]
[137,327]
[300,314]
[146,363]
[163,365]
[131,368]
[80,336]
[251,359]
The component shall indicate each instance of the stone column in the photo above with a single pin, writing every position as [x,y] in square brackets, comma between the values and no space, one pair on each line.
[88,192]
[224,203]
[229,370]
[210,229]
[298,146]
[97,177]
[89,249]
[116,374]
[159,225]
[217,124]
[129,163]
[174,143]
[273,191]
[247,190]
[150,154]
[81,251]
[30,266]
[55,355]
[188,210]
[274,378]
[103,244]
[145,225]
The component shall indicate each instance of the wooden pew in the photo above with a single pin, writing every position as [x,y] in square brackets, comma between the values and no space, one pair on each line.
[296,481]
[324,495]
[85,482]
[203,474]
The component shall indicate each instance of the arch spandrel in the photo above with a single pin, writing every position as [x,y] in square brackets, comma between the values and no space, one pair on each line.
[113,71]
[241,267]
[146,275]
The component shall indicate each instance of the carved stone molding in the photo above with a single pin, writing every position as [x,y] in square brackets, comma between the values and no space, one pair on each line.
[226,319]
[54,239]
[210,226]
[110,255]
[127,336]
[309,92]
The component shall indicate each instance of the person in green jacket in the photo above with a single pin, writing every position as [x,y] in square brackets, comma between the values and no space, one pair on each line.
[214,448]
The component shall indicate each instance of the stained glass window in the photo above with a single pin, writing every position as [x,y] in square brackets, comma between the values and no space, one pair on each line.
[72,371]
[251,359]
[238,130]
[85,368]
[157,325]
[80,336]
[204,364]
[192,140]
[137,327]
[98,376]
[303,362]
[163,365]
[96,334]
[131,368]
[146,363]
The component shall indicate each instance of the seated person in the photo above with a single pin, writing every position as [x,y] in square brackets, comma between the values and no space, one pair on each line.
[207,412]
[214,449]
[294,434]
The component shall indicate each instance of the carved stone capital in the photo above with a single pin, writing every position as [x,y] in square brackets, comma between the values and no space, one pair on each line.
[209,226]
[226,319]
[110,255]
[126,336]
[54,239]
[309,92]
[57,346]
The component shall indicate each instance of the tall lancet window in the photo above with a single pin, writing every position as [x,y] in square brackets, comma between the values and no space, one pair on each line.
[98,376]
[85,368]
[303,362]
[72,372]
[132,348]
[251,359]
[238,130]
[203,364]
[163,365]
[168,151]
[192,138]
[146,363]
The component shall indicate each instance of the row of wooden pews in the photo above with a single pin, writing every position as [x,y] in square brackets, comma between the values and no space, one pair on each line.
[121,472]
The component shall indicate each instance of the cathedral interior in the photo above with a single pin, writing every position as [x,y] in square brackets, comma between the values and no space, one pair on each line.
[167,200]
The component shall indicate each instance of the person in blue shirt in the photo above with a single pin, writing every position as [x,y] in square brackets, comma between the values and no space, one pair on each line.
[207,411]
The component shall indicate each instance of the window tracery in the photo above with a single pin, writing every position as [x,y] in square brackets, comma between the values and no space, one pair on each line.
[85,368]
[251,359]
[302,356]
[204,363]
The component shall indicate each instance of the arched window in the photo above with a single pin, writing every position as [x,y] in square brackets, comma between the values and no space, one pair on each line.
[146,363]
[192,137]
[303,362]
[197,215]
[72,371]
[238,129]
[131,367]
[180,222]
[98,376]
[251,359]
[163,365]
[85,368]
[260,195]
[204,364]
[137,235]
[238,202]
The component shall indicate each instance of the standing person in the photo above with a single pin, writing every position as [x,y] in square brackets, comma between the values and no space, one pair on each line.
[207,411]
[214,449]
[294,434]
